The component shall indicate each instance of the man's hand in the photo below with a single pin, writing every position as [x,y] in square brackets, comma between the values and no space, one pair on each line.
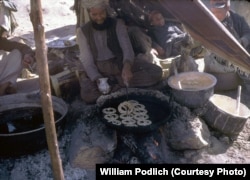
[158,51]
[28,60]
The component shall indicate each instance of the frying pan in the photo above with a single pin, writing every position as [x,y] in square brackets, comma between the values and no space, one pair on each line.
[156,103]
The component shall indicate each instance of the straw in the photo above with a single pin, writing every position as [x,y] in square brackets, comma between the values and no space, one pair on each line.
[238,100]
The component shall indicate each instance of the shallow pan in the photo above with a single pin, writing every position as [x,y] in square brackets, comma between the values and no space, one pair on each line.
[156,104]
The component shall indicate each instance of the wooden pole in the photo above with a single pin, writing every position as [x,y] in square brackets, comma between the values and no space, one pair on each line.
[81,14]
[46,100]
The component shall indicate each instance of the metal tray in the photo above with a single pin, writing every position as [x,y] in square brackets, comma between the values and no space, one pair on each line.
[61,43]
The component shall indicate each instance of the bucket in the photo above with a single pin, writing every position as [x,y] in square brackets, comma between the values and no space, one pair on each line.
[192,89]
[222,115]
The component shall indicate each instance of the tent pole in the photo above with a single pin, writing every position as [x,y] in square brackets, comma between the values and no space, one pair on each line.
[46,100]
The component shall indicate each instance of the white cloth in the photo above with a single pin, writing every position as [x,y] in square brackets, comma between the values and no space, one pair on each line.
[10,66]
[5,18]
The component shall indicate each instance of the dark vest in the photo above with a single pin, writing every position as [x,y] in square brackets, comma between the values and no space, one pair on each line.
[112,40]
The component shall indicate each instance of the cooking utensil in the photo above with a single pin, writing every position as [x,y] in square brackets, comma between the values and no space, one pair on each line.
[64,42]
[22,129]
[238,100]
[192,89]
[156,103]
[126,86]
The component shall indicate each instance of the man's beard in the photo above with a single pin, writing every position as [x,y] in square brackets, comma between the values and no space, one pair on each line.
[105,25]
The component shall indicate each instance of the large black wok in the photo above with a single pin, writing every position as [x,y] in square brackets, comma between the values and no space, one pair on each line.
[156,103]
[22,129]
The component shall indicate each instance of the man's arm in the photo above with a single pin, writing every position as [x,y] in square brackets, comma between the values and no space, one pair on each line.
[86,57]
[125,44]
[8,45]
[127,49]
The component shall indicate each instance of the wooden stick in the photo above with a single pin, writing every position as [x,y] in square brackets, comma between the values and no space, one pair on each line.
[179,85]
[175,69]
[238,100]
[46,101]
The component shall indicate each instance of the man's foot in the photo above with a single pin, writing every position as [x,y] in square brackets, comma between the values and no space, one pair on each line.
[3,88]
[10,90]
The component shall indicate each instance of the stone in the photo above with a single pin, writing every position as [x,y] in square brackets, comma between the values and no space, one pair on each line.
[91,143]
[187,132]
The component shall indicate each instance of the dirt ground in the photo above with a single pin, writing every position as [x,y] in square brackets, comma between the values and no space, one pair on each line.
[59,21]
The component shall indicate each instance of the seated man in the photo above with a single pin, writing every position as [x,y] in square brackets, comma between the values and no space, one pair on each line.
[13,57]
[106,51]
[239,28]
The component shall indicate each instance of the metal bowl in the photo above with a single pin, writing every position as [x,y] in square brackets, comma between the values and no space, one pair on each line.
[22,129]
[192,89]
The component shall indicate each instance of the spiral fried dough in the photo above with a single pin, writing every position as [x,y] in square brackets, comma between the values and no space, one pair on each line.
[125,107]
[141,116]
[144,122]
[116,122]
[140,111]
[128,113]
[139,106]
[110,117]
[109,110]
[126,116]
[129,122]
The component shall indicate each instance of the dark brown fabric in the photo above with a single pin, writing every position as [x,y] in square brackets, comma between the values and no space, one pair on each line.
[8,45]
[145,74]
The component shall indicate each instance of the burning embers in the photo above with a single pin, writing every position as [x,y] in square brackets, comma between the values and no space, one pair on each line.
[139,148]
